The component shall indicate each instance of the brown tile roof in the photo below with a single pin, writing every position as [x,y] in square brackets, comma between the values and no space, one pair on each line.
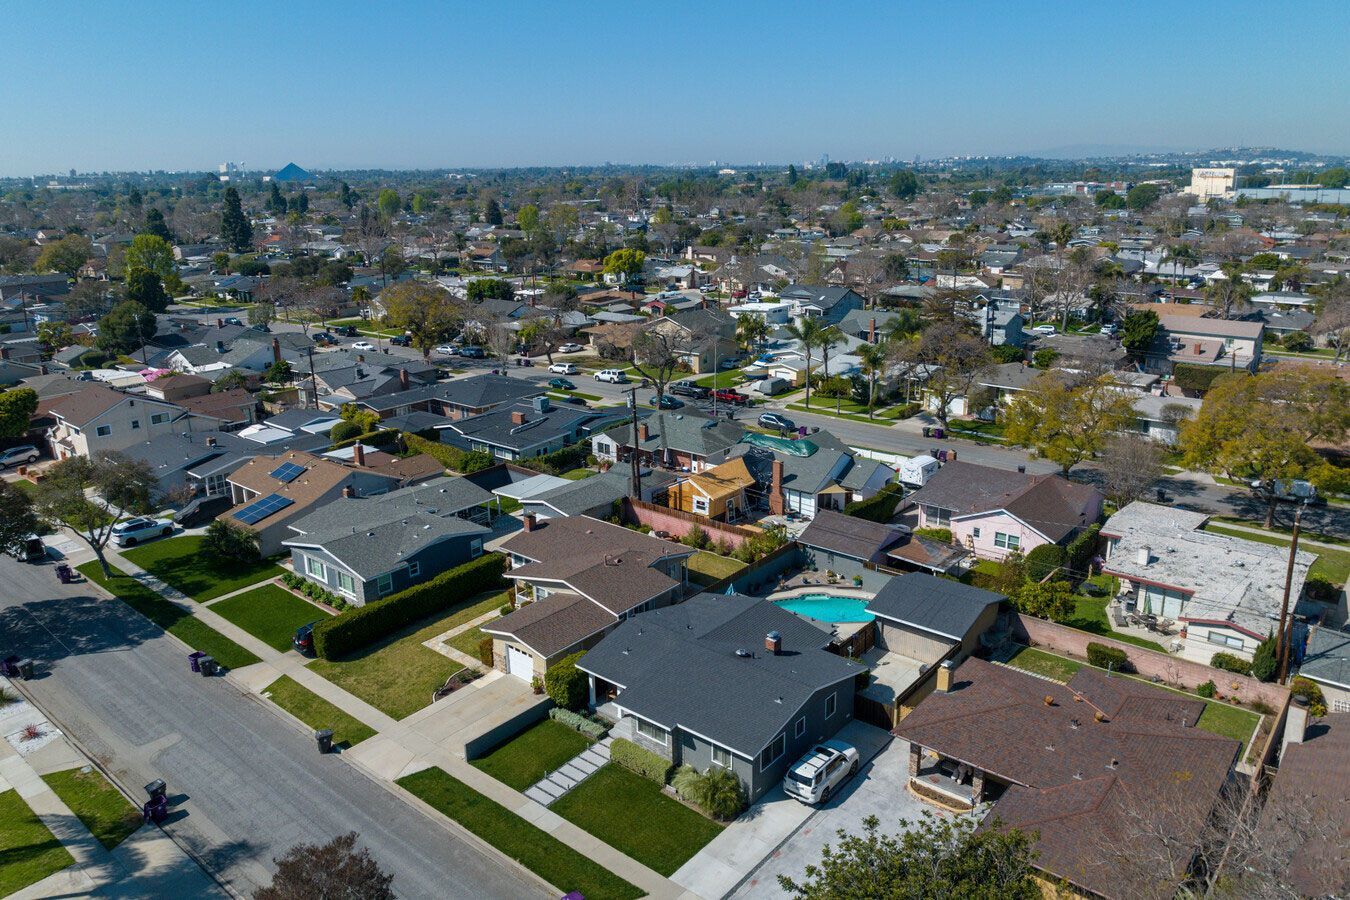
[1314,779]
[1048,503]
[83,406]
[553,624]
[1080,783]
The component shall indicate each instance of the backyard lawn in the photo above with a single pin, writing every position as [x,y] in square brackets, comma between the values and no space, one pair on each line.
[28,851]
[180,563]
[578,474]
[537,850]
[1041,663]
[630,813]
[108,815]
[193,632]
[709,568]
[1090,615]
[316,712]
[1334,565]
[532,754]
[397,675]
[269,613]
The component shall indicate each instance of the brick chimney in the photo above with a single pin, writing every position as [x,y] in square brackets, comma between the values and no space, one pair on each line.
[359,454]
[643,431]
[403,381]
[349,492]
[944,676]
[276,350]
[773,643]
[531,523]
[777,502]
[872,331]
[518,417]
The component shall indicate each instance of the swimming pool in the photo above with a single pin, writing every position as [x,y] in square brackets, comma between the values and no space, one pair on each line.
[828,608]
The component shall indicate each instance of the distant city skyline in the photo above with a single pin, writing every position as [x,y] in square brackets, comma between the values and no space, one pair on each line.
[421,85]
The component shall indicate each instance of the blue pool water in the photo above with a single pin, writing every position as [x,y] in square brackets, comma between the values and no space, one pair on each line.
[828,608]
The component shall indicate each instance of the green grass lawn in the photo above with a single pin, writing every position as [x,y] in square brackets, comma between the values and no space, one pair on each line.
[532,754]
[180,563]
[107,814]
[708,568]
[269,613]
[1090,615]
[397,675]
[728,379]
[316,712]
[467,641]
[825,407]
[1334,565]
[28,851]
[1041,663]
[630,813]
[546,856]
[193,632]
[1304,533]
[578,474]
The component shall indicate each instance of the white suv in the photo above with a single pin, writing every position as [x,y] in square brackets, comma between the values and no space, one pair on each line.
[816,776]
[132,531]
[24,454]
[613,376]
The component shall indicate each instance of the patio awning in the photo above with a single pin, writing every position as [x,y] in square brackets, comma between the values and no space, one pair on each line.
[530,487]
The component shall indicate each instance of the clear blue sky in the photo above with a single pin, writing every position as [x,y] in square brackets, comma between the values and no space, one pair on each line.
[142,85]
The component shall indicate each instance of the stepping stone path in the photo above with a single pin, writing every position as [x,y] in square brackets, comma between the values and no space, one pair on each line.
[571,773]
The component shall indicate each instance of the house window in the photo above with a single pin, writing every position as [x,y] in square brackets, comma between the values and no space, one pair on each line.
[937,516]
[315,568]
[975,533]
[346,583]
[159,418]
[777,747]
[653,732]
[475,548]
[1226,640]
[540,593]
[135,424]
[721,757]
[701,505]
[414,569]
[831,704]
[103,430]
[1006,541]
[384,584]
[800,729]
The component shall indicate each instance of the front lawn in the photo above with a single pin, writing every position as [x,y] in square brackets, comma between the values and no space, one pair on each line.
[729,379]
[269,613]
[191,631]
[467,641]
[316,712]
[630,813]
[531,755]
[709,568]
[398,675]
[180,563]
[108,815]
[28,851]
[537,850]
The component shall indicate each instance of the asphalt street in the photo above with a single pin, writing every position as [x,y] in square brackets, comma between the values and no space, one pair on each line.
[245,784]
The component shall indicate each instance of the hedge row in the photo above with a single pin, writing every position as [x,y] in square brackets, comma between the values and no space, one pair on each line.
[1230,662]
[453,458]
[643,762]
[1105,656]
[1081,550]
[880,506]
[362,625]
[1192,377]
[593,730]
[560,461]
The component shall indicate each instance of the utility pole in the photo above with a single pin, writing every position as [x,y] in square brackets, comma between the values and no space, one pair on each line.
[635,485]
[313,382]
[1285,630]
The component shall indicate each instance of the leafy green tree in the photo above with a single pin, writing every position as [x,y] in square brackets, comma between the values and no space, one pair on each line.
[146,288]
[874,360]
[346,196]
[1137,332]
[1335,177]
[17,408]
[848,218]
[227,541]
[17,519]
[792,174]
[905,184]
[931,859]
[276,203]
[156,226]
[278,372]
[626,263]
[429,313]
[125,328]
[235,227]
[895,266]
[1142,196]
[1067,423]
[1052,600]
[481,289]
[492,212]
[89,494]
[388,203]
[231,380]
[566,684]
[527,217]
[55,335]
[65,256]
[1108,199]
[1266,659]
[148,251]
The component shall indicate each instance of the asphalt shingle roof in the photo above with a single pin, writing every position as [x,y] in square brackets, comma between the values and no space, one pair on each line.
[937,605]
[849,535]
[1047,503]
[370,550]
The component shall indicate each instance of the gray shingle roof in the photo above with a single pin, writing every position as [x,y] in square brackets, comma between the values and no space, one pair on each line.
[1327,658]
[370,550]
[686,432]
[442,497]
[577,497]
[849,535]
[937,605]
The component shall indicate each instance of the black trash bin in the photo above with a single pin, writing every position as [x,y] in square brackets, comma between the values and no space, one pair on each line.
[324,738]
[207,666]
[927,431]
[157,789]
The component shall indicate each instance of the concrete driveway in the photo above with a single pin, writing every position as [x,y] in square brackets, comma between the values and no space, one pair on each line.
[879,790]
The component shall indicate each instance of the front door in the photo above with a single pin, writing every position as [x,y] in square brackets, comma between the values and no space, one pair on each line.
[519,663]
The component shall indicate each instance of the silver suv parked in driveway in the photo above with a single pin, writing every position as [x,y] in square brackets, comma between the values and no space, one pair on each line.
[817,775]
[22,455]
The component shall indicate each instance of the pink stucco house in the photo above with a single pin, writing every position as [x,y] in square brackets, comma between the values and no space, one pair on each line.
[994,512]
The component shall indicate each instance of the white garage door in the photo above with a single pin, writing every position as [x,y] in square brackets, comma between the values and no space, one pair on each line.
[519,663]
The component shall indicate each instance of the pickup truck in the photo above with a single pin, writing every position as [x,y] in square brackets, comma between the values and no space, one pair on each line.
[727,395]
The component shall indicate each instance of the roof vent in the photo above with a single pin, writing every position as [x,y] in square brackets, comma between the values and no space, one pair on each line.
[1113,763]
[1078,776]
[743,653]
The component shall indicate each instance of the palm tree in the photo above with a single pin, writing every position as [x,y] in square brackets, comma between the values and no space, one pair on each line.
[751,331]
[829,336]
[873,364]
[1180,253]
[806,331]
[905,323]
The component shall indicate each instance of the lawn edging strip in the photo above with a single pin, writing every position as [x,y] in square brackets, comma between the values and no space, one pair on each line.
[559,865]
[315,712]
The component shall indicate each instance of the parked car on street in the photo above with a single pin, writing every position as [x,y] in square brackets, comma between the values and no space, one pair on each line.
[130,532]
[401,340]
[727,395]
[816,776]
[472,353]
[665,401]
[563,369]
[346,330]
[233,320]
[612,376]
[571,348]
[363,345]
[1044,329]
[445,350]
[323,337]
[22,455]
[688,389]
[561,384]
[729,364]
[775,420]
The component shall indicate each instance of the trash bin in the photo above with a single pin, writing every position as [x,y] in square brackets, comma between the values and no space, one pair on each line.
[156,810]
[927,431]
[11,666]
[194,659]
[939,433]
[156,789]
[324,738]
[25,669]
[207,666]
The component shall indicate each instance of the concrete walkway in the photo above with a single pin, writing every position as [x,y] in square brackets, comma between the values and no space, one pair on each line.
[570,774]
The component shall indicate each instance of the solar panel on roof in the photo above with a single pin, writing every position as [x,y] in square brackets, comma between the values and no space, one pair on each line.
[287,472]
[260,509]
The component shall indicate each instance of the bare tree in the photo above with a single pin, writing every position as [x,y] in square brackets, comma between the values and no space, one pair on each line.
[952,360]
[662,350]
[335,869]
[1333,315]
[1130,465]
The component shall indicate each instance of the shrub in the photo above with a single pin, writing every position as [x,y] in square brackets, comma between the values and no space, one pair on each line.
[1104,656]
[1298,342]
[1052,600]
[1265,660]
[344,430]
[1190,377]
[718,792]
[695,537]
[559,461]
[1043,560]
[1044,358]
[643,762]
[1079,553]
[1321,588]
[464,462]
[593,730]
[1229,662]
[565,683]
[1207,689]
[226,541]
[1006,353]
[485,653]
[879,507]
[1317,701]
[358,627]
[938,534]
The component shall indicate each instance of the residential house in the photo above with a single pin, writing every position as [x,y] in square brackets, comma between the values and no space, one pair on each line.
[525,429]
[1326,662]
[675,440]
[457,399]
[1204,341]
[594,496]
[723,681]
[699,337]
[97,418]
[851,548]
[829,304]
[994,512]
[583,576]
[1090,768]
[1225,592]
[810,474]
[718,493]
